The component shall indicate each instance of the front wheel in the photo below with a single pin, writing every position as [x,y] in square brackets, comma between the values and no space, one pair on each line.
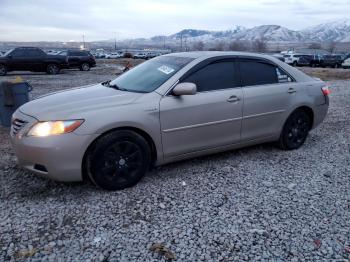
[295,130]
[118,160]
[52,69]
[3,70]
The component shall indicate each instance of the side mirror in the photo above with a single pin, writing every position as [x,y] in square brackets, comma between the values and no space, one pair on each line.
[184,89]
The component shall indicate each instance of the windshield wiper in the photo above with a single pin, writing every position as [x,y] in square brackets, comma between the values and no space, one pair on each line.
[108,84]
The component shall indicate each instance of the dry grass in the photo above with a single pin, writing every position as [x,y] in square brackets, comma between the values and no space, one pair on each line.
[327,73]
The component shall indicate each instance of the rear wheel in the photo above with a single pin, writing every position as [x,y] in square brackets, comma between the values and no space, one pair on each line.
[52,69]
[3,70]
[118,160]
[295,130]
[85,67]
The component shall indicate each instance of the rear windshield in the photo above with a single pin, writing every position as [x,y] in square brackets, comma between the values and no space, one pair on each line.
[151,74]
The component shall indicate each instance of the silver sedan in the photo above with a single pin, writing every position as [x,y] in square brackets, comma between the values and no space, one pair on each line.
[167,109]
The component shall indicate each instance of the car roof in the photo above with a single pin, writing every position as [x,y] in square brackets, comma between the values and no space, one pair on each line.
[213,54]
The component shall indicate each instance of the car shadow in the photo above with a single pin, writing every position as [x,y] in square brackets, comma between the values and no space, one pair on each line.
[29,185]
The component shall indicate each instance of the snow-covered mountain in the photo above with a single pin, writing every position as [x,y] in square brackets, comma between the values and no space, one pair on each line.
[338,31]
[334,31]
[274,33]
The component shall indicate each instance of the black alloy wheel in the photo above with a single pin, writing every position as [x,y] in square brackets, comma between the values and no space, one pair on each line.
[119,160]
[295,130]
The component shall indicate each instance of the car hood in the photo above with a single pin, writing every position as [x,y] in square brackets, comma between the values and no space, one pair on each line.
[76,103]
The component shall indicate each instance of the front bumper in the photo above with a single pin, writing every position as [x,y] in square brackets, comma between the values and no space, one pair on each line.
[61,155]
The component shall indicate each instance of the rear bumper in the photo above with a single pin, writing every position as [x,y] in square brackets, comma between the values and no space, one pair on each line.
[320,113]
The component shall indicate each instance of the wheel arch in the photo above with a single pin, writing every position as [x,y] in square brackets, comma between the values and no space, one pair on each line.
[139,131]
[307,109]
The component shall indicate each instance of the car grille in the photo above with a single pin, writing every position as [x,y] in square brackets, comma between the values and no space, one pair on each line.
[17,125]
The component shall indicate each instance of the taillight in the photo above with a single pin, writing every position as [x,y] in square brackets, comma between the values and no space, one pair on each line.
[325,90]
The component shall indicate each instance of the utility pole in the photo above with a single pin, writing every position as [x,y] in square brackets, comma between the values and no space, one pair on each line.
[84,41]
[115,42]
[181,41]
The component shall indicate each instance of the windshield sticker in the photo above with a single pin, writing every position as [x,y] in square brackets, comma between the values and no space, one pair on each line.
[166,69]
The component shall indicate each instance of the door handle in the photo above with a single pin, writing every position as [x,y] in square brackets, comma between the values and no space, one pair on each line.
[291,90]
[233,99]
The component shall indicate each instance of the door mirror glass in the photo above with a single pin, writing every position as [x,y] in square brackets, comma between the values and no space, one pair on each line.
[184,89]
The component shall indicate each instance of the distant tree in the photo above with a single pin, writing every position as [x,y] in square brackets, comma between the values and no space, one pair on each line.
[238,46]
[315,46]
[259,45]
[219,46]
[198,46]
[331,46]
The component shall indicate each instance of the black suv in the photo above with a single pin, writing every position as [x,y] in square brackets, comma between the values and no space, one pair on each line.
[31,59]
[332,61]
[83,60]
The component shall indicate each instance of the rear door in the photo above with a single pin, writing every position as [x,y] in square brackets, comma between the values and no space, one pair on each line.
[268,93]
[35,59]
[73,58]
[211,118]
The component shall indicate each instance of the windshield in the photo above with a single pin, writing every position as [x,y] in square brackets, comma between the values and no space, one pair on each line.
[8,52]
[150,75]
[64,53]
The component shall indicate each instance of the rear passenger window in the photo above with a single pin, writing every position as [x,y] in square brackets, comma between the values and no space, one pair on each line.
[215,76]
[258,73]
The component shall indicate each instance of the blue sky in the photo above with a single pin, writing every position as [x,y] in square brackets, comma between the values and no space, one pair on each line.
[65,20]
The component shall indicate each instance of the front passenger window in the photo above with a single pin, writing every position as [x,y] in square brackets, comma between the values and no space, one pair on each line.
[215,76]
[18,53]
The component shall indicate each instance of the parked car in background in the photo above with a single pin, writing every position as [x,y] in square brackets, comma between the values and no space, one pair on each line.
[331,61]
[31,59]
[304,60]
[346,63]
[141,56]
[81,59]
[167,109]
[292,59]
[114,55]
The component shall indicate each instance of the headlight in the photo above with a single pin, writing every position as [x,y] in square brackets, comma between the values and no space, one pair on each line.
[50,128]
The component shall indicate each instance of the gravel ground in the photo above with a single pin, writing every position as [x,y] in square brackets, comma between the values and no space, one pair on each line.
[258,203]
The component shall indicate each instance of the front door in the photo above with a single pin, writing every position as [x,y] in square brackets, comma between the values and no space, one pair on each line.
[211,118]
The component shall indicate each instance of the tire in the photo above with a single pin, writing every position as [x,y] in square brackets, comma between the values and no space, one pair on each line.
[295,130]
[118,160]
[85,67]
[295,63]
[52,69]
[3,70]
